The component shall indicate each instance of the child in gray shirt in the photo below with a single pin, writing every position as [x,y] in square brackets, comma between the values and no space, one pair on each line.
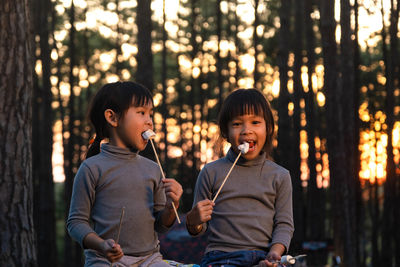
[251,221]
[116,177]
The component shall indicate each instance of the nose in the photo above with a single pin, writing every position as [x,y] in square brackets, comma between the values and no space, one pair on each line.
[149,121]
[245,129]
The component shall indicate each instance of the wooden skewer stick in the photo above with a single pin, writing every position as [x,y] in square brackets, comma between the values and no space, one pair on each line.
[226,177]
[119,227]
[162,172]
[243,148]
[120,223]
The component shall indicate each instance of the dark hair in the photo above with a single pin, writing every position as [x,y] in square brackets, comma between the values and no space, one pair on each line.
[247,101]
[118,96]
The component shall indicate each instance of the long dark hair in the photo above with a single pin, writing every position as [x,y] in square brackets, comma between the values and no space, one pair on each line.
[118,96]
[247,101]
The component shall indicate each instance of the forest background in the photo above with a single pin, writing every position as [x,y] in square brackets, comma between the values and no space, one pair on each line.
[329,68]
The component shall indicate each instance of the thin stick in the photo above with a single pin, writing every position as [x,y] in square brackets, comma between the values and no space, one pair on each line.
[119,227]
[226,177]
[120,223]
[162,172]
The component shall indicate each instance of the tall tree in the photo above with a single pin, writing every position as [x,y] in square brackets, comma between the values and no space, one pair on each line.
[144,57]
[144,74]
[298,199]
[389,210]
[44,203]
[118,63]
[218,55]
[283,153]
[17,234]
[72,250]
[256,74]
[334,116]
[194,82]
[315,196]
[359,220]
[164,112]
[348,105]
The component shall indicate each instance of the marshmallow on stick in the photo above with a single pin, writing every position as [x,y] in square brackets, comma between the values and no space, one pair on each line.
[288,260]
[149,135]
[244,148]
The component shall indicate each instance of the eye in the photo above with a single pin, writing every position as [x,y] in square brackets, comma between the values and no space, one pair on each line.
[256,122]
[235,123]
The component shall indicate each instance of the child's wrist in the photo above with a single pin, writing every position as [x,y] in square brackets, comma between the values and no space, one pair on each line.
[194,228]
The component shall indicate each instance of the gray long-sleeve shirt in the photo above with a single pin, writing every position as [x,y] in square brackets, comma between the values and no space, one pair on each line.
[104,184]
[254,208]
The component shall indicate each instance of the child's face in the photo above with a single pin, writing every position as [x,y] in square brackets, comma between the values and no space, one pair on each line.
[248,128]
[132,125]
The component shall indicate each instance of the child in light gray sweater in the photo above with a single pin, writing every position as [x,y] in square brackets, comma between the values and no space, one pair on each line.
[251,221]
[116,177]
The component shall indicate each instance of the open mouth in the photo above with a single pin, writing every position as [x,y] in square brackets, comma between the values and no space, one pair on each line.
[252,144]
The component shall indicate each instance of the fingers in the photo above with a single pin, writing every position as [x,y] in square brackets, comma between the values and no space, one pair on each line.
[206,203]
[113,250]
[205,209]
[173,189]
[266,263]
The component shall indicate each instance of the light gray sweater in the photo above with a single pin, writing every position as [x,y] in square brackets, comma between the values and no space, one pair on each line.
[254,208]
[105,183]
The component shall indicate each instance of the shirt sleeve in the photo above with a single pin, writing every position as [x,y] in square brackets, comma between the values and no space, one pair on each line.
[82,199]
[203,190]
[283,220]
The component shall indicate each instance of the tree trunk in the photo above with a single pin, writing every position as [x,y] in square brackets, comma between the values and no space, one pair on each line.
[144,57]
[144,74]
[164,112]
[256,74]
[44,202]
[283,154]
[17,234]
[218,56]
[388,218]
[237,45]
[359,218]
[315,196]
[72,250]
[298,199]
[334,117]
[348,105]
[118,63]
[194,86]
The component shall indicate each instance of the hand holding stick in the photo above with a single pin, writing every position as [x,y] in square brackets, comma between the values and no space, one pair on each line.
[244,148]
[288,260]
[149,135]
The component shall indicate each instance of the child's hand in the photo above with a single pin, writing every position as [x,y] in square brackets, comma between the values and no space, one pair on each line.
[173,190]
[271,260]
[111,250]
[201,213]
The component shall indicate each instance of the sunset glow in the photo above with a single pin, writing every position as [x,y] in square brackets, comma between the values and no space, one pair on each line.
[373,141]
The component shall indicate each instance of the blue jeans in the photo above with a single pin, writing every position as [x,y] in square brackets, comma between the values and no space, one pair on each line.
[237,258]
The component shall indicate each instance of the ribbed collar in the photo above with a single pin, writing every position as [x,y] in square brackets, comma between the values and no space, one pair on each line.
[118,152]
[231,156]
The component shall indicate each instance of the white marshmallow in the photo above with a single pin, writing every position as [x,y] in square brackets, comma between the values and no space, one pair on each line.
[244,148]
[148,134]
[287,259]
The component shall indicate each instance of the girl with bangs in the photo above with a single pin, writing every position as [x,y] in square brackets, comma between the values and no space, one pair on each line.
[251,221]
[114,178]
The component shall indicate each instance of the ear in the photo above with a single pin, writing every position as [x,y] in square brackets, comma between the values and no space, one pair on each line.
[111,117]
